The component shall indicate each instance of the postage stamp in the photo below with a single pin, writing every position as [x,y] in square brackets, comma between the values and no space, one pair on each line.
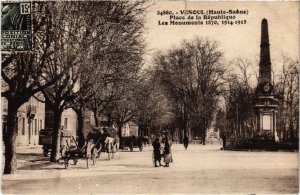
[16,26]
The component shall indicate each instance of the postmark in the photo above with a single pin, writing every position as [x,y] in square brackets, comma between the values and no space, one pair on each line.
[16,26]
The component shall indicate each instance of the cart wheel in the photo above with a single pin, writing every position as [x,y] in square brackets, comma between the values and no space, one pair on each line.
[75,162]
[66,164]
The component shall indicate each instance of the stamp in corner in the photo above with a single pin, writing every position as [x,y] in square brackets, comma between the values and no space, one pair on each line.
[16,26]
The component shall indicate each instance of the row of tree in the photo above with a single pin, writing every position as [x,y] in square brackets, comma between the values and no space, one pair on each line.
[85,54]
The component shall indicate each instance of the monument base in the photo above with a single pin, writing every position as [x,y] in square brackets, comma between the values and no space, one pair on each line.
[265,108]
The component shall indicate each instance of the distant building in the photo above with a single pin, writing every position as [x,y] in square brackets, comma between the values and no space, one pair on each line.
[68,119]
[130,129]
[31,119]
[103,120]
[88,119]
[212,134]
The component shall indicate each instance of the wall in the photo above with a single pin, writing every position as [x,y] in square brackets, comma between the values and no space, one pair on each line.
[69,121]
[28,129]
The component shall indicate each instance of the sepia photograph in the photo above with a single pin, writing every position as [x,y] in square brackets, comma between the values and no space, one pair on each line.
[150,97]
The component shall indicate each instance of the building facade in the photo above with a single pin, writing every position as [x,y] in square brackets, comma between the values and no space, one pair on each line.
[30,120]
[68,119]
[130,129]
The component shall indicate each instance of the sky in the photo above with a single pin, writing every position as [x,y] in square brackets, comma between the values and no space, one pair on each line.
[234,40]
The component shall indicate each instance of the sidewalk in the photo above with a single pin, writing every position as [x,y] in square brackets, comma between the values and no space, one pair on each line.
[32,165]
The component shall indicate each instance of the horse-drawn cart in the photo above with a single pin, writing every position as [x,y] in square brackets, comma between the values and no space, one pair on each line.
[97,141]
[74,152]
[132,142]
[46,136]
[45,139]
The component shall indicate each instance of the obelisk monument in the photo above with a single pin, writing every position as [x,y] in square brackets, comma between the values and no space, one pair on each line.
[265,62]
[265,102]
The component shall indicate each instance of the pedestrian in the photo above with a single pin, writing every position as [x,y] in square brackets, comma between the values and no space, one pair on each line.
[223,137]
[185,141]
[156,152]
[167,152]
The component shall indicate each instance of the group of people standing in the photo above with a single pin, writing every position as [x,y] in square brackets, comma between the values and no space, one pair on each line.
[159,151]
[164,150]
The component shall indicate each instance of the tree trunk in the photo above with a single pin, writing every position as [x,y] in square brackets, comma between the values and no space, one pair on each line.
[10,139]
[120,136]
[181,131]
[185,123]
[204,133]
[140,131]
[96,117]
[56,136]
[203,138]
[143,130]
[81,139]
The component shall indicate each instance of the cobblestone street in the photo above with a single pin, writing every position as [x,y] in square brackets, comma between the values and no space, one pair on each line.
[200,169]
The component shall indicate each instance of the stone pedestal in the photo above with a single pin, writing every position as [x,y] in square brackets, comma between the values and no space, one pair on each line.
[266,117]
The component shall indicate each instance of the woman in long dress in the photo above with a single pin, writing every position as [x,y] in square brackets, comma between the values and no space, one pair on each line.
[167,152]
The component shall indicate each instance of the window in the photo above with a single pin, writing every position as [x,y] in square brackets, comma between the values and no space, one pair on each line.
[23,126]
[66,123]
[41,124]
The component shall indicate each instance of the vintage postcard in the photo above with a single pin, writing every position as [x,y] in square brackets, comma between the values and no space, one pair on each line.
[150,97]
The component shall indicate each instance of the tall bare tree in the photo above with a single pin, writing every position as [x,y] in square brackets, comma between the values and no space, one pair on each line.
[287,90]
[68,40]
[23,76]
[193,76]
[239,98]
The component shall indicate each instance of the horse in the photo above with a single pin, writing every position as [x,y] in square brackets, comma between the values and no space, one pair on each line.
[103,141]
[111,146]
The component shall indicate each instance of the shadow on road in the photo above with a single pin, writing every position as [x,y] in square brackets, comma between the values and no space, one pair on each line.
[36,161]
[39,166]
[134,166]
